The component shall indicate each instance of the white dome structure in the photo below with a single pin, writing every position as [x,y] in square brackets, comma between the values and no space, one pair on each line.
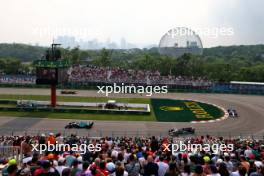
[180,40]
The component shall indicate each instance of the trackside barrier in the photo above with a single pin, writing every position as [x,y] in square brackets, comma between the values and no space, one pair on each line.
[67,110]
[216,88]
[119,133]
[9,151]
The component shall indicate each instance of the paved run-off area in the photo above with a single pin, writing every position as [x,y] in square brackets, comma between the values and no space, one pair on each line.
[250,121]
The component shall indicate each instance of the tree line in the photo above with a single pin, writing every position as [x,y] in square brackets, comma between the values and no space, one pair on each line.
[240,63]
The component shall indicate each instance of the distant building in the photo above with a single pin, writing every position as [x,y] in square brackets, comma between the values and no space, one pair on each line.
[94,44]
[123,44]
[66,41]
[180,40]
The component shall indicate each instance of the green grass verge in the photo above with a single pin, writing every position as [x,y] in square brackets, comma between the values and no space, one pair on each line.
[184,114]
[53,115]
[156,113]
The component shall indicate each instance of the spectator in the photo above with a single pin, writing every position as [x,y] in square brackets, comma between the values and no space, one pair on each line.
[120,171]
[61,165]
[163,167]
[242,170]
[133,166]
[151,168]
[172,170]
[223,170]
[244,162]
[259,169]
[85,171]
[12,170]
[75,168]
[198,171]
[213,171]
[134,156]
[186,170]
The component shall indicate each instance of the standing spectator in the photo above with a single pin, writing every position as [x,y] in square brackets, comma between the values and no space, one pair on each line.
[151,168]
[244,162]
[133,166]
[102,168]
[229,164]
[154,144]
[51,139]
[242,171]
[186,170]
[120,171]
[163,167]
[259,169]
[85,171]
[11,162]
[61,165]
[75,168]
[198,171]
[213,171]
[223,170]
[172,170]
[26,147]
[12,170]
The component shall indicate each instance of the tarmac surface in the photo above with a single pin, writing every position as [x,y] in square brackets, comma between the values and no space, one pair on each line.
[250,122]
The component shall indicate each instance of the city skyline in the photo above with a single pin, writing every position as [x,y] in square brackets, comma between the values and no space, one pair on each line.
[71,42]
[140,22]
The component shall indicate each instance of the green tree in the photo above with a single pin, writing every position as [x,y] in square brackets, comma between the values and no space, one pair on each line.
[11,65]
[105,58]
[75,55]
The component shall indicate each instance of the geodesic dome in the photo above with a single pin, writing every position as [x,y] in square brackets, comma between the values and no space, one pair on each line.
[180,40]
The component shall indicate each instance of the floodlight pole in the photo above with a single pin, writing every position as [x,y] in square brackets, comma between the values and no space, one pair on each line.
[53,95]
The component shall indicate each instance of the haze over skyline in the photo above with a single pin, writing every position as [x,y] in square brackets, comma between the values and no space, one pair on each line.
[141,22]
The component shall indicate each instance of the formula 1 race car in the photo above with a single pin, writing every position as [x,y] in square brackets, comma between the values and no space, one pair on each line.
[232,113]
[182,131]
[68,92]
[78,125]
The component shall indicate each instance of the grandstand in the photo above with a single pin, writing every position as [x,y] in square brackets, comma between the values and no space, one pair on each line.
[87,76]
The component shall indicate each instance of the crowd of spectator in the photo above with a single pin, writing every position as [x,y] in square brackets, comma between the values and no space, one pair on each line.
[87,73]
[133,156]
[17,79]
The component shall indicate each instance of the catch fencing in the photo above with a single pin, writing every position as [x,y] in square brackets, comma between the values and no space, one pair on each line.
[120,133]
[9,151]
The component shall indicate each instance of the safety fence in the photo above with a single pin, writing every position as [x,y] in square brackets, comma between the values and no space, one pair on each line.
[9,151]
[120,133]
[225,88]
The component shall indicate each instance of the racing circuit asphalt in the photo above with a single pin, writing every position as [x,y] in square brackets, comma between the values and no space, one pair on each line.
[249,107]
